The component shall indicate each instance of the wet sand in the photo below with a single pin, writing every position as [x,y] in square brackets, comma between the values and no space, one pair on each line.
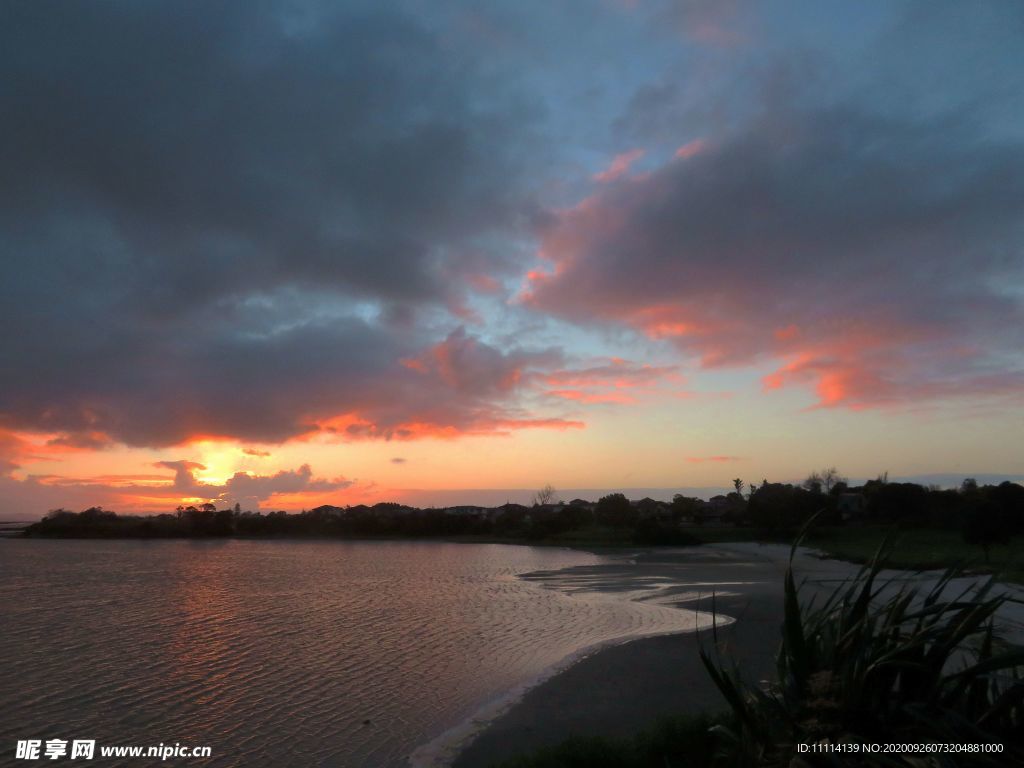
[622,689]
[619,690]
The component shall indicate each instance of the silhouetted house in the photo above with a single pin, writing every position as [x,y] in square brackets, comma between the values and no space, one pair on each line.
[715,510]
[466,511]
[649,509]
[389,510]
[541,511]
[590,506]
[851,506]
[513,508]
[328,510]
[508,511]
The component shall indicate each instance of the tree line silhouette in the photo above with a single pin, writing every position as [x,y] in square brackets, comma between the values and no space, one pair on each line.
[984,514]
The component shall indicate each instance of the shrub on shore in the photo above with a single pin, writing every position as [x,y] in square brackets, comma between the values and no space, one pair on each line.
[653,533]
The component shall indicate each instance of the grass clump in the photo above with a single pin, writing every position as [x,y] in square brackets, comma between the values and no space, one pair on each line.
[920,549]
[881,664]
[673,742]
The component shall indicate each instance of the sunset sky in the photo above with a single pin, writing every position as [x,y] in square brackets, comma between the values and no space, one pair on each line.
[292,253]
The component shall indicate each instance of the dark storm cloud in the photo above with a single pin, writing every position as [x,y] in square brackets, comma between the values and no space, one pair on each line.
[196,195]
[257,219]
[239,148]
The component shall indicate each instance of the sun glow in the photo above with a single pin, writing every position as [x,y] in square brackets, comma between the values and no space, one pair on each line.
[221,461]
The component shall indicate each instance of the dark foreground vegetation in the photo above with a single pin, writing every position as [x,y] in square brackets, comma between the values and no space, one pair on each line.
[690,741]
[873,664]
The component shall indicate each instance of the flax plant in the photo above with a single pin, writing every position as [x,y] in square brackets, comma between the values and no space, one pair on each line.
[879,663]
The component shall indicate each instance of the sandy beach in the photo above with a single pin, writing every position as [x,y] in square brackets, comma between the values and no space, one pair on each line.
[621,689]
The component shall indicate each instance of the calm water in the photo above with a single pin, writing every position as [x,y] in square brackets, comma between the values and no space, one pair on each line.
[275,653]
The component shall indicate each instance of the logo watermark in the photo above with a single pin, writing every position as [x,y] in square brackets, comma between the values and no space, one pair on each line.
[55,749]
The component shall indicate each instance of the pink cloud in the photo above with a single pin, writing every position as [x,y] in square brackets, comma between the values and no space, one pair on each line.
[458,386]
[468,365]
[612,380]
[352,428]
[476,388]
[716,23]
[484,283]
[17,448]
[691,149]
[616,372]
[809,243]
[13,449]
[591,397]
[619,166]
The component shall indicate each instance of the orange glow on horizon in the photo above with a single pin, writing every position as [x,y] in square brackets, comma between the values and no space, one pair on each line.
[711,459]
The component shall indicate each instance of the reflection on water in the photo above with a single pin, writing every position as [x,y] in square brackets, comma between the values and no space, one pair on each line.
[284,653]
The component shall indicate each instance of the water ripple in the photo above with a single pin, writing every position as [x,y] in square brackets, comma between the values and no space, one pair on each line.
[290,653]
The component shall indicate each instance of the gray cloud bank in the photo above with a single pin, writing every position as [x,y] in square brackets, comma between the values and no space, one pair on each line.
[231,218]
